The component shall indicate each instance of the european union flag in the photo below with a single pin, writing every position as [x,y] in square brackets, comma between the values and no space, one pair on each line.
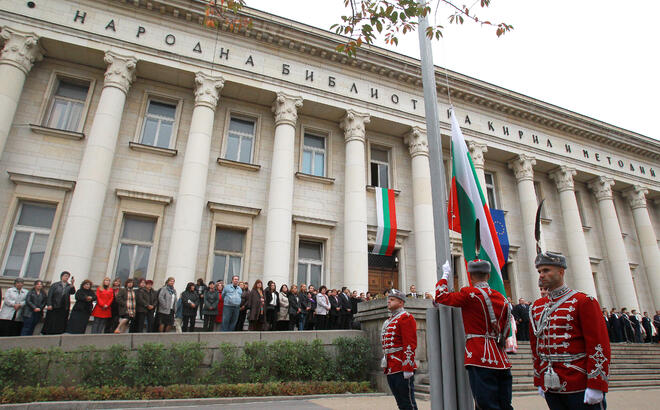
[500,228]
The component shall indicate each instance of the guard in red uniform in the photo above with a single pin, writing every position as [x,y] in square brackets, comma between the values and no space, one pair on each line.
[486,318]
[569,342]
[399,339]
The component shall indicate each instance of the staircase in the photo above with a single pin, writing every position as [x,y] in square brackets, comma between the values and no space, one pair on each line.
[634,366]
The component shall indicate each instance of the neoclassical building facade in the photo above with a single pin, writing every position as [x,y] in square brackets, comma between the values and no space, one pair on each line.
[135,141]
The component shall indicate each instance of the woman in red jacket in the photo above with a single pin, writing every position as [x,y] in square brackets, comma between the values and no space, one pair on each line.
[221,304]
[102,311]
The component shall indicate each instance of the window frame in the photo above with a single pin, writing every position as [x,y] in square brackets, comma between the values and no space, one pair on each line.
[229,254]
[538,191]
[390,158]
[314,151]
[33,231]
[493,187]
[133,243]
[310,262]
[139,204]
[36,189]
[47,102]
[230,216]
[150,95]
[245,116]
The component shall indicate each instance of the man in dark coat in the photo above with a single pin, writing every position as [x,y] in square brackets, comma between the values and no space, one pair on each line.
[646,324]
[626,324]
[637,326]
[656,323]
[617,326]
[58,304]
[335,310]
[294,308]
[521,314]
[346,309]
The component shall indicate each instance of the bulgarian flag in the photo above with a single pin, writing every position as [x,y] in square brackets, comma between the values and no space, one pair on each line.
[467,204]
[386,213]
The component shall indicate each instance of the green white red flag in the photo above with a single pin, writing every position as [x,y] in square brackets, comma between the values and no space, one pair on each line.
[467,203]
[386,214]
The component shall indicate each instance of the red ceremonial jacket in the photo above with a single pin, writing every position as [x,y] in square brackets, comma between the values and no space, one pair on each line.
[399,339]
[481,348]
[573,338]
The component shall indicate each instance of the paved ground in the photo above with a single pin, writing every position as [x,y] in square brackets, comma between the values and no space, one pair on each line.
[627,399]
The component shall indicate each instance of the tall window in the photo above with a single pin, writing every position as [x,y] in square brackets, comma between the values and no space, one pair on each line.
[313,160]
[380,167]
[240,140]
[580,206]
[227,254]
[158,126]
[310,263]
[28,241]
[539,198]
[135,243]
[66,104]
[490,191]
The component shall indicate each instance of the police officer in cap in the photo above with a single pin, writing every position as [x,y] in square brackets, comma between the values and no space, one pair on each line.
[486,319]
[570,345]
[399,339]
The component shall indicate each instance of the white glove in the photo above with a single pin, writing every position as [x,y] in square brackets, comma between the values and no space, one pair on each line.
[408,375]
[541,392]
[593,396]
[446,270]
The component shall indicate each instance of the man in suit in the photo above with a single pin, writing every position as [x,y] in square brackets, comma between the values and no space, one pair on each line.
[646,324]
[656,323]
[335,309]
[521,314]
[413,293]
[346,311]
[626,324]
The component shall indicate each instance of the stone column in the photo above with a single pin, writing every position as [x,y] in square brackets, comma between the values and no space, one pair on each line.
[82,223]
[647,240]
[19,54]
[616,249]
[523,169]
[477,151]
[277,255]
[579,266]
[356,263]
[422,210]
[191,198]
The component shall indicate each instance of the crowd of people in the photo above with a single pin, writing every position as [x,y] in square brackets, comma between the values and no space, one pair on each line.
[622,326]
[135,306]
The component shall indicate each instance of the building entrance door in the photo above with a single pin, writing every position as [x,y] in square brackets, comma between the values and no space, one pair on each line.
[383,273]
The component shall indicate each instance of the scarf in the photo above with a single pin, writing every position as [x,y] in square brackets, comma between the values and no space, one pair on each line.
[130,302]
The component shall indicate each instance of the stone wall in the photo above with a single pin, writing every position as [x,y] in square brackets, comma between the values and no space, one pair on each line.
[372,315]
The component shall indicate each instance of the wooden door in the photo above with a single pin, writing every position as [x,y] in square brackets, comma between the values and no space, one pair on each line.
[382,279]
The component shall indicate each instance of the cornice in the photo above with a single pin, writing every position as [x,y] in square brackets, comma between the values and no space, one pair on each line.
[320,44]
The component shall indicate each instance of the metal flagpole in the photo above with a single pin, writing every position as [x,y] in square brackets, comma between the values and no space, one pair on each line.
[447,377]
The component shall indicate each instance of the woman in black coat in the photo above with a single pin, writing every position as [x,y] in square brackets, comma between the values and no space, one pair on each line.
[272,305]
[189,303]
[79,318]
[58,304]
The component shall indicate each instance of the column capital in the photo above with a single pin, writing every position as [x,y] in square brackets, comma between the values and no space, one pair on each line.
[602,188]
[21,49]
[353,125]
[563,177]
[285,107]
[418,143]
[477,150]
[636,196]
[120,72]
[207,90]
[523,167]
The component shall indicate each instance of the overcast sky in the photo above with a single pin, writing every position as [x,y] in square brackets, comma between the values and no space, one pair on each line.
[599,58]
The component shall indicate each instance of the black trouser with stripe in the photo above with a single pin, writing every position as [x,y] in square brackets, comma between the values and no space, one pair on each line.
[491,388]
[403,391]
[571,401]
